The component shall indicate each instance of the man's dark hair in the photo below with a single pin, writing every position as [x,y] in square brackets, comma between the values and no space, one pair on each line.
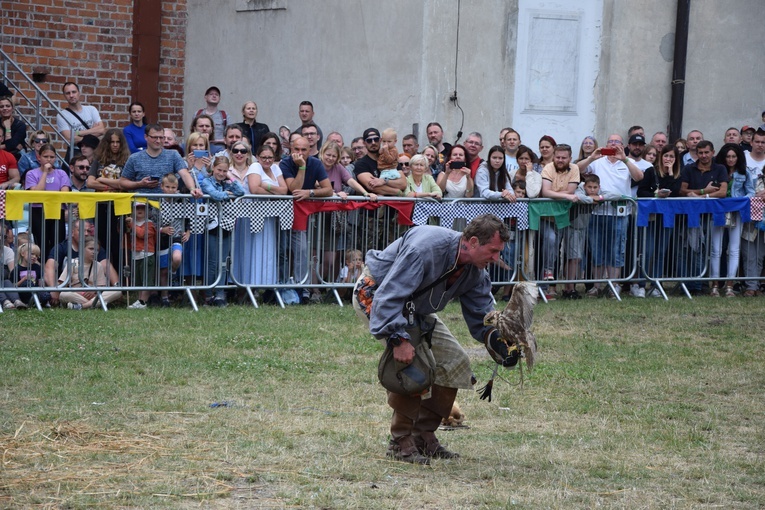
[633,129]
[759,132]
[233,126]
[483,227]
[77,158]
[306,103]
[357,139]
[433,124]
[410,137]
[153,127]
[69,83]
[705,144]
[310,123]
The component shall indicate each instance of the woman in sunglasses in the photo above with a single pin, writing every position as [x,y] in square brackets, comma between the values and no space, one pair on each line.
[30,160]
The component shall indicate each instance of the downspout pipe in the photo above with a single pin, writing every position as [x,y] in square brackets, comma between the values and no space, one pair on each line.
[678,70]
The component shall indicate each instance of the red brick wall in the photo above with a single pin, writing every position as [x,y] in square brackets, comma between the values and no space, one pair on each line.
[90,43]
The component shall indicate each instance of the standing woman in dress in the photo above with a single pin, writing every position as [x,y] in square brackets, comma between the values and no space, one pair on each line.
[263,178]
[46,178]
[135,131]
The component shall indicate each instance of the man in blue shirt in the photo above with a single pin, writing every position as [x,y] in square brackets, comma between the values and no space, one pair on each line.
[144,170]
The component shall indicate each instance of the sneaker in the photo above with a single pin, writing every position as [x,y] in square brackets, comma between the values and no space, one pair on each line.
[715,292]
[729,292]
[593,293]
[20,305]
[315,297]
[548,275]
[137,305]
[551,296]
[8,305]
[655,293]
[74,306]
[616,293]
[165,303]
[571,294]
[220,303]
[637,291]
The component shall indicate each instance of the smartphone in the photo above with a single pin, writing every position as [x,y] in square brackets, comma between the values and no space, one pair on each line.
[665,191]
[607,151]
[715,184]
[456,165]
[201,154]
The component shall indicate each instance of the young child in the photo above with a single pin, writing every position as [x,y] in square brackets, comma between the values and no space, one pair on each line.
[142,241]
[172,235]
[387,160]
[219,187]
[589,192]
[94,274]
[9,298]
[28,272]
[354,263]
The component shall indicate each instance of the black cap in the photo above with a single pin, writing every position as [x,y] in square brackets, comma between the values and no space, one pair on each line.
[637,139]
[369,131]
[88,141]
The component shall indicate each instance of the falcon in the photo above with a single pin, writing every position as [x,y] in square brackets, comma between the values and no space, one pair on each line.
[513,323]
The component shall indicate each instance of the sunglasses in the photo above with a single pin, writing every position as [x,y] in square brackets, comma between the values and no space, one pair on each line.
[402,165]
[40,140]
[239,151]
[372,139]
[82,167]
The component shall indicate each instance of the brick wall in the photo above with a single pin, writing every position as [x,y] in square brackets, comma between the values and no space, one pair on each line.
[91,43]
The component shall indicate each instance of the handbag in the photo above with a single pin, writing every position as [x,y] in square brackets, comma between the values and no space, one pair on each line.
[417,377]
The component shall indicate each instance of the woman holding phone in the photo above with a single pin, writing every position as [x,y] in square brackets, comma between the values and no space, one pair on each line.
[455,181]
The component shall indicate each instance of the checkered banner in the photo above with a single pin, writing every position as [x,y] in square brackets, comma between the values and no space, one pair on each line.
[201,214]
[447,212]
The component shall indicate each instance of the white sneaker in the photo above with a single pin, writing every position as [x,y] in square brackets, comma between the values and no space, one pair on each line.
[137,305]
[655,292]
[637,291]
[74,306]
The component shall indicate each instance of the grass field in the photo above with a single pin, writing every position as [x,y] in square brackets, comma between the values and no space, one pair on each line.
[639,404]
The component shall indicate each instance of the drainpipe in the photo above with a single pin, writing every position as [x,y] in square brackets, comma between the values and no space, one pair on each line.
[678,70]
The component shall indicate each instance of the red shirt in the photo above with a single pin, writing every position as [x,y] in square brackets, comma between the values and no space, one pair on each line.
[7,161]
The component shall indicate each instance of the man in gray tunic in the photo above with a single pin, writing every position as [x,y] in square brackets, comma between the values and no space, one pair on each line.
[429,266]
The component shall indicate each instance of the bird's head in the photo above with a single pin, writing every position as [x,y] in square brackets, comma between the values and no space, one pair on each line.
[491,318]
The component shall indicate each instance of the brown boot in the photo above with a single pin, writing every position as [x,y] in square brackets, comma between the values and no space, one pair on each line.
[432,410]
[405,411]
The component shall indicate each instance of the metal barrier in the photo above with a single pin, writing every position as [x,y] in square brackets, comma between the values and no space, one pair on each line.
[184,248]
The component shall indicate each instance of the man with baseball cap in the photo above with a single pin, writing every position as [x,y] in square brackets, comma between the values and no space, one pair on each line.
[747,133]
[220,119]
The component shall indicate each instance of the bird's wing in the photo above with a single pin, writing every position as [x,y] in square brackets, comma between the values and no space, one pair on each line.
[522,302]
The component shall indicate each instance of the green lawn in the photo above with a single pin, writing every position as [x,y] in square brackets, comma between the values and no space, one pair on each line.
[639,404]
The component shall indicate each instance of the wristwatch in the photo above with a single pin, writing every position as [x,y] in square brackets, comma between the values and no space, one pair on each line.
[312,194]
[394,340]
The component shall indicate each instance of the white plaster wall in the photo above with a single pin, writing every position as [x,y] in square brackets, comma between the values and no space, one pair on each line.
[370,63]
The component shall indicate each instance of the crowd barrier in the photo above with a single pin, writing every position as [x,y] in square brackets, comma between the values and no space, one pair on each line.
[288,251]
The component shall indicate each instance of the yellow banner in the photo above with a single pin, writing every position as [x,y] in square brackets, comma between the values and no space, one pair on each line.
[53,200]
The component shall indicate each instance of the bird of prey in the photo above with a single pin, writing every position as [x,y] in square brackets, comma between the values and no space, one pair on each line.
[514,322]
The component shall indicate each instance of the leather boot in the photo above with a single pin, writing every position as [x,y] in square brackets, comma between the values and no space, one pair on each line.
[402,446]
[432,410]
